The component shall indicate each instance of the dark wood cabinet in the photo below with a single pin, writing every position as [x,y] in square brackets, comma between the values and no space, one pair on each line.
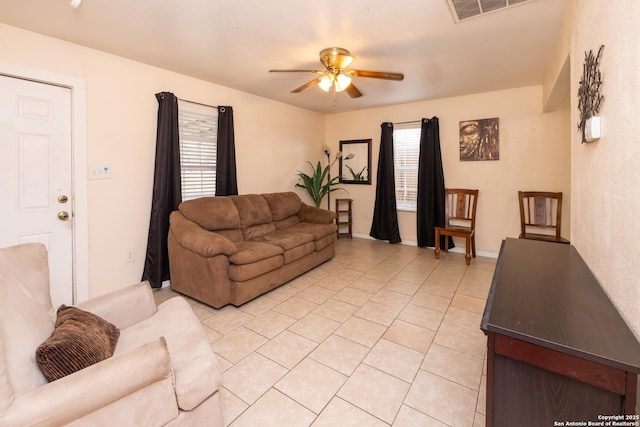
[558,350]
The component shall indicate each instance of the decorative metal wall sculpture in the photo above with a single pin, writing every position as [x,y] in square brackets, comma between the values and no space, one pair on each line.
[589,96]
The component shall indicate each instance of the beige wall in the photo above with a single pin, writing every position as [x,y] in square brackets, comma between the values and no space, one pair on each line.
[534,155]
[606,173]
[272,142]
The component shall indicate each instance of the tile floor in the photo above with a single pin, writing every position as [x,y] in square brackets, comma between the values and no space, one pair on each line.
[381,335]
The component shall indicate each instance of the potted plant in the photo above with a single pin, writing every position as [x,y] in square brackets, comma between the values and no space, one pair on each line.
[315,183]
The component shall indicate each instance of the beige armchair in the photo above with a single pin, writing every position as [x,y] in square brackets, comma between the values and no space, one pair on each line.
[162,372]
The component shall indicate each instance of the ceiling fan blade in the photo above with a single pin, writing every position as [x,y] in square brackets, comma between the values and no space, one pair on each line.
[353,91]
[306,85]
[298,71]
[377,74]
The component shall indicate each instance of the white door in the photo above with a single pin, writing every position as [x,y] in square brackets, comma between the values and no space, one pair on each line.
[36,175]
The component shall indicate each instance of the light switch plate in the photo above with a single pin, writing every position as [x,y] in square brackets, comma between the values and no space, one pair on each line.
[100,172]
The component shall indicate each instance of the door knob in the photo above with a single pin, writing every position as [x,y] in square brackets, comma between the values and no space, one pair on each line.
[63,215]
[63,199]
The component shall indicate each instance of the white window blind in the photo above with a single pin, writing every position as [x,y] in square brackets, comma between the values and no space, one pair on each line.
[406,153]
[198,128]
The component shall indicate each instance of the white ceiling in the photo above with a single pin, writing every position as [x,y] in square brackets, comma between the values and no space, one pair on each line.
[235,42]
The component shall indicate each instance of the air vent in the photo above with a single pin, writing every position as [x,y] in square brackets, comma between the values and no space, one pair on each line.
[464,9]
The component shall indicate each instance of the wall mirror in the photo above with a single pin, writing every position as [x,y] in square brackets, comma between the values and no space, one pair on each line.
[355,163]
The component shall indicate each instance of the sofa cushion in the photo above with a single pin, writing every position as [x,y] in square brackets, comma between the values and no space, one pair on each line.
[255,215]
[295,244]
[287,222]
[318,231]
[217,214]
[244,272]
[326,241]
[283,205]
[253,251]
[298,252]
[287,239]
[195,369]
[80,339]
[24,325]
[256,232]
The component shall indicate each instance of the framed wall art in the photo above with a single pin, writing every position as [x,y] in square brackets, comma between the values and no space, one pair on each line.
[479,140]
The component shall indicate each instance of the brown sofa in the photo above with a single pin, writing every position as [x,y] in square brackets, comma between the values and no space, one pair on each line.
[231,249]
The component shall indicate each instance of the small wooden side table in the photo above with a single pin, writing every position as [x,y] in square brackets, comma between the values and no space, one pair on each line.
[344,218]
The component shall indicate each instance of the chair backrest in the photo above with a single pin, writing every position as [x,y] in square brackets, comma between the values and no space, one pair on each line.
[540,212]
[28,263]
[460,207]
[26,317]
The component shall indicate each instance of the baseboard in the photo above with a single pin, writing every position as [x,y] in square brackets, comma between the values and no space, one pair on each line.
[479,252]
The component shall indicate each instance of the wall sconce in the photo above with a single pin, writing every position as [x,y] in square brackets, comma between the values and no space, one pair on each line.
[589,96]
[592,129]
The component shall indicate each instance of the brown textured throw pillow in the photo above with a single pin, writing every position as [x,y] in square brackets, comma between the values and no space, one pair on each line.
[79,339]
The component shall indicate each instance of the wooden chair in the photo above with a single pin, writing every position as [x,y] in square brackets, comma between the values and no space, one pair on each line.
[540,216]
[460,220]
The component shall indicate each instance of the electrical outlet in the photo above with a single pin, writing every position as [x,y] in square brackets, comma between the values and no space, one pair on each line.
[100,172]
[130,256]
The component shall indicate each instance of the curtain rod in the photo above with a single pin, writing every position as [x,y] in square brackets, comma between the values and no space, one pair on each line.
[405,123]
[197,103]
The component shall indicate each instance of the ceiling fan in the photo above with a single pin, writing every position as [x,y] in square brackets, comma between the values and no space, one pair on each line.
[335,74]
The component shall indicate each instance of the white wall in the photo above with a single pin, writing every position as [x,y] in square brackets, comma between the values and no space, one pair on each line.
[606,174]
[534,155]
[273,140]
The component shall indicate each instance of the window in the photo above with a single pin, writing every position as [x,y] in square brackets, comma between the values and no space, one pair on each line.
[406,152]
[198,128]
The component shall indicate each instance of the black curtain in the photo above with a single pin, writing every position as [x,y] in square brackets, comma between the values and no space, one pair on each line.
[430,211]
[167,192]
[385,214]
[226,179]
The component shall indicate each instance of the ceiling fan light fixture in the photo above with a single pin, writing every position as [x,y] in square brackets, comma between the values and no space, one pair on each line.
[325,82]
[343,61]
[336,76]
[342,82]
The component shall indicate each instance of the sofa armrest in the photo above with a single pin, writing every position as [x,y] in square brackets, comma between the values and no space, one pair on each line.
[315,215]
[203,242]
[81,393]
[124,307]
